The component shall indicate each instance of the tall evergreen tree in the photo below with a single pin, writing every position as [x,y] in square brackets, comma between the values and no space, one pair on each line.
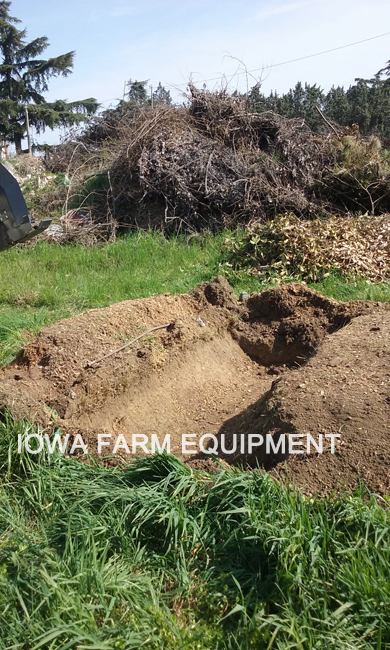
[137,95]
[372,104]
[161,95]
[337,107]
[385,71]
[24,77]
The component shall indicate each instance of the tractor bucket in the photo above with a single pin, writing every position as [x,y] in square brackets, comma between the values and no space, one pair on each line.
[15,223]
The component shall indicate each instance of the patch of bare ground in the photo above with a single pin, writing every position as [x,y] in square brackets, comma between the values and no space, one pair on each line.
[212,370]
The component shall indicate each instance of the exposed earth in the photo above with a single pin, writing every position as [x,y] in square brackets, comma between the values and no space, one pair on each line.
[286,361]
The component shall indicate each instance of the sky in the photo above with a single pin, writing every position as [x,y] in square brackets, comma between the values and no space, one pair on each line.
[173,41]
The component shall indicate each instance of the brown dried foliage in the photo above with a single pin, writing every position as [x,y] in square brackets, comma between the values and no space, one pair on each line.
[289,246]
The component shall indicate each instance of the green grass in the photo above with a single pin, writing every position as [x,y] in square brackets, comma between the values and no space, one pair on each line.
[52,276]
[335,286]
[155,555]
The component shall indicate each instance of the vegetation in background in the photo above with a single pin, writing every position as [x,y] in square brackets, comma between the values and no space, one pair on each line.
[366,103]
[23,79]
[215,164]
[160,556]
[139,94]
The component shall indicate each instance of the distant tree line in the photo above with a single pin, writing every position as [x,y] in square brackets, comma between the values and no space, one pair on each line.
[366,103]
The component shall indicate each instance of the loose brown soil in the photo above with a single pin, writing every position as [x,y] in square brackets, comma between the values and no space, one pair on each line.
[286,361]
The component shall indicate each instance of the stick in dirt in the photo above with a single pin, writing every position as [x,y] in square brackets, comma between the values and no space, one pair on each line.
[159,327]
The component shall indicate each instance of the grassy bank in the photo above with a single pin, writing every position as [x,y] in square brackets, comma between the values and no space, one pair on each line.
[155,555]
[43,283]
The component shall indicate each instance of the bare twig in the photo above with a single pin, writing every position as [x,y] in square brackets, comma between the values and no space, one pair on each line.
[153,329]
[207,171]
[327,122]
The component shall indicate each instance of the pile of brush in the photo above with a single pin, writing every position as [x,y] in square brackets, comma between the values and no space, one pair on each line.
[215,163]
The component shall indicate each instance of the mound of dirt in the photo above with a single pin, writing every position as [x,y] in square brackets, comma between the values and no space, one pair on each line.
[344,391]
[218,293]
[210,370]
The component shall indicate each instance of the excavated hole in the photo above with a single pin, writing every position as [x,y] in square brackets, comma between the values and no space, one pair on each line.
[212,371]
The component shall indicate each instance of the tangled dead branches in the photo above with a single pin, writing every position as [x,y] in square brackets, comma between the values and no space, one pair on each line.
[215,163]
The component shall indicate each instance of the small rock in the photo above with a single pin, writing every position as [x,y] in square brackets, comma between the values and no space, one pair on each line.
[335,362]
[244,296]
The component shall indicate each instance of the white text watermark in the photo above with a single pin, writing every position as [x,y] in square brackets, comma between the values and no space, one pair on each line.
[208,444]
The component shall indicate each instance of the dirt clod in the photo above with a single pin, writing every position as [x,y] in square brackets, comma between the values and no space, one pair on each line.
[218,293]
